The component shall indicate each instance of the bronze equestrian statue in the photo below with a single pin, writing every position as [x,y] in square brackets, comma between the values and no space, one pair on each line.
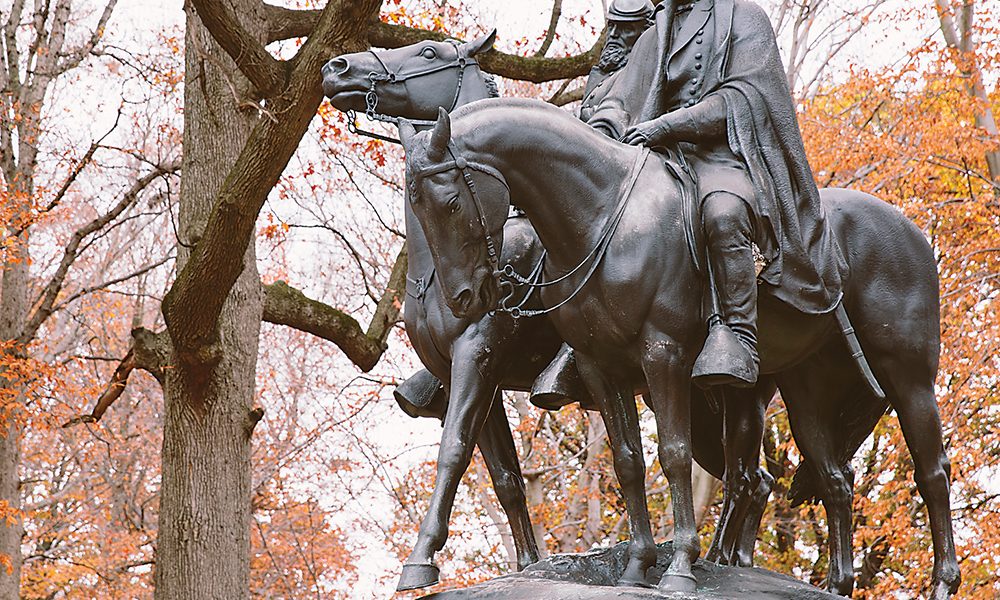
[476,357]
[621,285]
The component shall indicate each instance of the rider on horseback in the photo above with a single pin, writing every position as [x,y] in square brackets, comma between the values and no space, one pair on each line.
[627,19]
[719,95]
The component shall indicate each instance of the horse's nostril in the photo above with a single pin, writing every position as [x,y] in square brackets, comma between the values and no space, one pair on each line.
[464,298]
[337,66]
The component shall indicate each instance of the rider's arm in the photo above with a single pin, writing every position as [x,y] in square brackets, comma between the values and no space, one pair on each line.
[699,123]
[705,121]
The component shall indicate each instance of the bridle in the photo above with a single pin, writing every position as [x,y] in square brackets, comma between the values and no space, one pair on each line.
[461,62]
[508,276]
[460,163]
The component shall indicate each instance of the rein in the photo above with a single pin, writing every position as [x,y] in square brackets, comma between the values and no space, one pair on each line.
[371,97]
[463,165]
[508,276]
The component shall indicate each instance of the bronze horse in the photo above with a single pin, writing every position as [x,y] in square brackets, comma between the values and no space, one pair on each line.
[479,356]
[628,298]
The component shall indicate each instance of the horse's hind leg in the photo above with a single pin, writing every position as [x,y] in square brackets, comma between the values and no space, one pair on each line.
[812,395]
[917,410]
[747,486]
[761,481]
[497,447]
[617,406]
[474,380]
[741,455]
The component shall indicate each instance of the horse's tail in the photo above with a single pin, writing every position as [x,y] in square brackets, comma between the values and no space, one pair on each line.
[858,419]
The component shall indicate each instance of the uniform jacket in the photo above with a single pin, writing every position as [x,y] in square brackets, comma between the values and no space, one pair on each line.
[722,84]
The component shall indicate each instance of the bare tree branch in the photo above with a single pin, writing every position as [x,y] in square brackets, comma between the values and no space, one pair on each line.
[74,58]
[285,305]
[550,33]
[536,69]
[266,73]
[47,297]
[94,288]
[80,166]
[563,97]
[149,351]
[289,23]
[114,391]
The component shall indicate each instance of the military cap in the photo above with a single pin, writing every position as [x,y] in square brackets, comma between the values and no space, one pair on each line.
[629,10]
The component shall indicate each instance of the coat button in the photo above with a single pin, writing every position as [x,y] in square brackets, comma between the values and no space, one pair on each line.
[698,41]
[694,82]
[698,56]
[697,66]
[689,103]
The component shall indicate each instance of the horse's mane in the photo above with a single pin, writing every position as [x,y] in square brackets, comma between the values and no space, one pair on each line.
[496,103]
[528,109]
[491,85]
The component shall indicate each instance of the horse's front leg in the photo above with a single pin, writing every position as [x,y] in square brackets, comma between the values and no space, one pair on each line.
[617,405]
[497,446]
[474,381]
[668,374]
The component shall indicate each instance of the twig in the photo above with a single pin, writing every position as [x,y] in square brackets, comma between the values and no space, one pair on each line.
[550,33]
[114,391]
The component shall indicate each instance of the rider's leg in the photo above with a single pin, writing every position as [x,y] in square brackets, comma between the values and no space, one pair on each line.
[729,235]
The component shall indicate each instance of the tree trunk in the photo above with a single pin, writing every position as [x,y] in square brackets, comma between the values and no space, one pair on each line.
[203,545]
[14,304]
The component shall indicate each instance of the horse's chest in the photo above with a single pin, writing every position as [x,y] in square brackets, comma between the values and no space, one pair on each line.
[431,331]
[596,326]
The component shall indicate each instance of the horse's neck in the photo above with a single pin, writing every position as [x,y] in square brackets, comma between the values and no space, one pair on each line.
[419,259]
[566,180]
[473,87]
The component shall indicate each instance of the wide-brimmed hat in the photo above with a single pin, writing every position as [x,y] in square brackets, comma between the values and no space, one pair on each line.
[629,10]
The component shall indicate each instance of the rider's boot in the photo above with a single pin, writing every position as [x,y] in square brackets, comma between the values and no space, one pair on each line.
[729,356]
[559,384]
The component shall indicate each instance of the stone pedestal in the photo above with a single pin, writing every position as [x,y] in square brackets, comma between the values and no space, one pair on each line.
[591,576]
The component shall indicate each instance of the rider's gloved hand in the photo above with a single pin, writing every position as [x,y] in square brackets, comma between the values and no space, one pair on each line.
[649,133]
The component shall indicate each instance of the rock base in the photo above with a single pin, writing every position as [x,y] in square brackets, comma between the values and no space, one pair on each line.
[592,575]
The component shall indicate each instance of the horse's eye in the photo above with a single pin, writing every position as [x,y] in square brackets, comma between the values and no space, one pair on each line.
[428,53]
[453,205]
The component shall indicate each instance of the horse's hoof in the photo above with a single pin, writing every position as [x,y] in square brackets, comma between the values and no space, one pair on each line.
[677,582]
[743,559]
[416,576]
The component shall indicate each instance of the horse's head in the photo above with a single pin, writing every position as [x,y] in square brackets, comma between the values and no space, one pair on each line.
[462,206]
[410,82]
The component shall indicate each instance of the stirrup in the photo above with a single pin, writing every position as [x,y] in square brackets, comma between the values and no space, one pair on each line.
[724,360]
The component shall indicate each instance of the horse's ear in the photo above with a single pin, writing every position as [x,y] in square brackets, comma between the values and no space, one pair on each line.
[406,133]
[481,44]
[440,136]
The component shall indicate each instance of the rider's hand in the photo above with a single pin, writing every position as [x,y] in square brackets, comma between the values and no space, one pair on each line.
[648,133]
